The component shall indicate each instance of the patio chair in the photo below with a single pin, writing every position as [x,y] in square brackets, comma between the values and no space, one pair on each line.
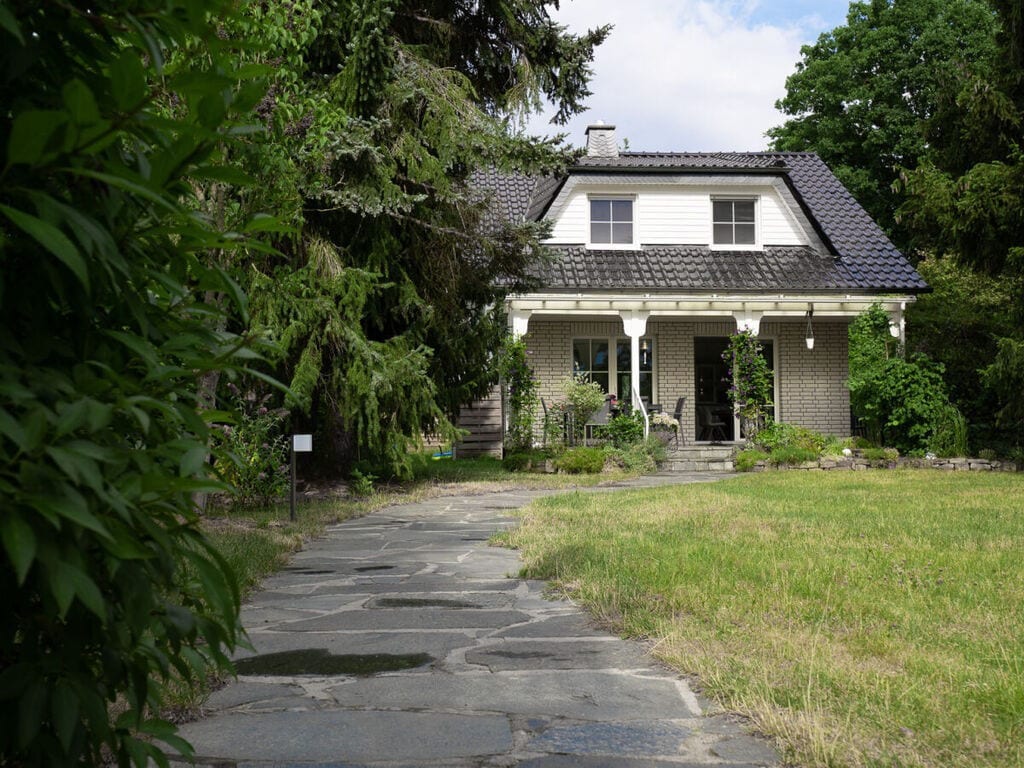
[677,414]
[714,424]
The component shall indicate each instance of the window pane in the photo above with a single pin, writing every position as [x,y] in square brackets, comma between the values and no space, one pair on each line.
[580,355]
[622,380]
[600,360]
[721,210]
[745,234]
[622,233]
[744,210]
[600,210]
[600,378]
[622,350]
[622,210]
[600,233]
[723,234]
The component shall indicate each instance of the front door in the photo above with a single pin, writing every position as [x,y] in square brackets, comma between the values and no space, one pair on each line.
[712,409]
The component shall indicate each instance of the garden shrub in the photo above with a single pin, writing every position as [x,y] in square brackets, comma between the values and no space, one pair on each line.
[779,434]
[751,388]
[516,461]
[522,394]
[880,454]
[360,483]
[582,460]
[627,428]
[792,454]
[950,436]
[585,398]
[254,455]
[747,458]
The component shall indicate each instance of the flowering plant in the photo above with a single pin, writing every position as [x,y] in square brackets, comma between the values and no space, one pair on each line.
[752,386]
[664,421]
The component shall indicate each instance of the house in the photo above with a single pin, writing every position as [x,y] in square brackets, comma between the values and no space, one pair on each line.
[660,257]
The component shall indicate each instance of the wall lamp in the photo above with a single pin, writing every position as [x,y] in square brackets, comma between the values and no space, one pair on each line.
[810,330]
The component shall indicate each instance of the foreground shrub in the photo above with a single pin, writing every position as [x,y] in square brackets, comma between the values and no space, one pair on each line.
[583,460]
[779,434]
[746,459]
[254,455]
[627,428]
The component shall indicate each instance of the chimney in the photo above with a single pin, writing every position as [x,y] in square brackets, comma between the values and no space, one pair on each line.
[601,140]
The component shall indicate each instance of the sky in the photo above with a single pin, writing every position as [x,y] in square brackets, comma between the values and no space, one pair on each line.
[691,75]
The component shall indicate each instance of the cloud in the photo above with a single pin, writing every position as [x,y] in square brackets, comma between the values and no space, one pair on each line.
[691,75]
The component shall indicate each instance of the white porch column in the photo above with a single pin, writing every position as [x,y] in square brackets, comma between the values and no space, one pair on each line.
[898,324]
[748,320]
[634,322]
[519,321]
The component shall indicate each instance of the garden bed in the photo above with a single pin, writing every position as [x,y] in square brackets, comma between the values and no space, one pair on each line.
[856,463]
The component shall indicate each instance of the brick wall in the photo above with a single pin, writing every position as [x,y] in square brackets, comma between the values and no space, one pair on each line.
[812,389]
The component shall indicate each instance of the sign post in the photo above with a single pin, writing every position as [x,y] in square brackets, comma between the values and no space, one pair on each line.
[300,444]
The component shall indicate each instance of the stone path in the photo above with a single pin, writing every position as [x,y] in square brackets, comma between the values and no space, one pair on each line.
[473,668]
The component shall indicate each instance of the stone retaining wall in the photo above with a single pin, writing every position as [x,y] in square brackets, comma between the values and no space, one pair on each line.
[859,463]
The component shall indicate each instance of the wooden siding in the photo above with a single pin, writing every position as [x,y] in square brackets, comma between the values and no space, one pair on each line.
[483,419]
[678,215]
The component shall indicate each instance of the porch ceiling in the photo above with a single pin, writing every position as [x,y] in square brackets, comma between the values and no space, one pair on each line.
[704,305]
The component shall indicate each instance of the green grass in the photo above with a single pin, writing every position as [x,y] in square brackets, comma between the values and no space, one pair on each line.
[864,619]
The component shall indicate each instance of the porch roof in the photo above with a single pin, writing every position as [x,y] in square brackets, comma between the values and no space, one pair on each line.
[695,268]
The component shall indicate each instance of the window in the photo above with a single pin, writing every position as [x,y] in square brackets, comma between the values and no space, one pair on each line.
[591,358]
[611,221]
[733,222]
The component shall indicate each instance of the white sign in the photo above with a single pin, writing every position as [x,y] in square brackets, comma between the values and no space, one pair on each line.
[302,443]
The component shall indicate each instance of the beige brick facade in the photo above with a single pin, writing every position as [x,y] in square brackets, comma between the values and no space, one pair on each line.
[811,384]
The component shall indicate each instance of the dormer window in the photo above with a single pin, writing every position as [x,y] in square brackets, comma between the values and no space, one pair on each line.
[734,222]
[611,221]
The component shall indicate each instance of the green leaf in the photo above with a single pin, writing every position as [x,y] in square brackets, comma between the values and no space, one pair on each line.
[86,589]
[19,542]
[128,80]
[70,505]
[64,709]
[30,712]
[8,22]
[80,102]
[192,460]
[30,133]
[52,239]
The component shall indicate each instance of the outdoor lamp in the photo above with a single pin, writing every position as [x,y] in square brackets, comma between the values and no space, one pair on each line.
[810,330]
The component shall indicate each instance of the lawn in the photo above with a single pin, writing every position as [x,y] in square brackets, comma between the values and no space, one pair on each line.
[864,619]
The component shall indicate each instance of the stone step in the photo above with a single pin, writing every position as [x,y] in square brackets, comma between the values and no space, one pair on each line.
[701,458]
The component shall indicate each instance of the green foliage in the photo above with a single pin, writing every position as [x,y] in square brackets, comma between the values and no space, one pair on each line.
[880,454]
[253,452]
[1005,377]
[957,325]
[522,395]
[752,388]
[581,460]
[748,458]
[899,401]
[950,433]
[360,483]
[792,454]
[782,435]
[381,116]
[585,398]
[625,428]
[109,587]
[867,94]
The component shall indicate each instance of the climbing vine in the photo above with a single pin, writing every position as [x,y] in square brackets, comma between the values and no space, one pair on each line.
[522,395]
[752,387]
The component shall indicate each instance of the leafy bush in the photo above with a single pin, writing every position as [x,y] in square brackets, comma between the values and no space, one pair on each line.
[522,394]
[746,459]
[254,455]
[109,587]
[900,402]
[752,387]
[585,398]
[582,460]
[626,428]
[361,484]
[950,435]
[988,454]
[792,454]
[779,434]
[516,461]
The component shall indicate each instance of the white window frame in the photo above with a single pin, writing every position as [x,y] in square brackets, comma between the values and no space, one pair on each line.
[613,362]
[632,199]
[757,244]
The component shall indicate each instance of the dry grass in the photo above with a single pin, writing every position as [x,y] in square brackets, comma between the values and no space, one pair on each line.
[868,619]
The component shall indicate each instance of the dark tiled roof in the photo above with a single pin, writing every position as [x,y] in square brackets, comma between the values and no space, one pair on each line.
[695,268]
[511,195]
[865,259]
